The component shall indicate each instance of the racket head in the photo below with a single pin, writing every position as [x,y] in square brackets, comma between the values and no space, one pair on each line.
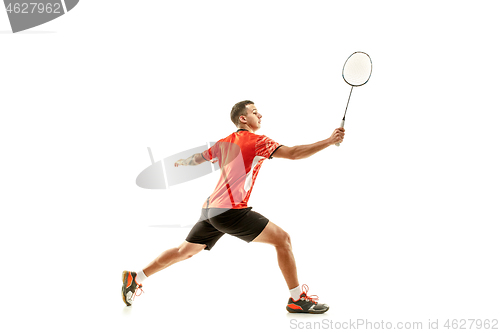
[357,69]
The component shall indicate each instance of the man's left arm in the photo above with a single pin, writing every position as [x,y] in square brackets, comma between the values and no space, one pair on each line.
[304,151]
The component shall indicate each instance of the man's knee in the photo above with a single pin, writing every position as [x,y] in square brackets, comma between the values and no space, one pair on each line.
[187,251]
[284,240]
[274,235]
[183,253]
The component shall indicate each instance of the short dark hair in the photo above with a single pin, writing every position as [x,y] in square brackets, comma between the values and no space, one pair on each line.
[239,109]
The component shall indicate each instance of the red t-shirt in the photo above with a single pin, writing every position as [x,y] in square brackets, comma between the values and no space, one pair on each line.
[240,156]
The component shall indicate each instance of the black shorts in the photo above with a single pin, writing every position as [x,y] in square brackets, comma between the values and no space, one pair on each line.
[215,222]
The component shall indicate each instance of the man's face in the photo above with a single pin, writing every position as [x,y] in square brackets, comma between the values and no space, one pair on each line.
[253,117]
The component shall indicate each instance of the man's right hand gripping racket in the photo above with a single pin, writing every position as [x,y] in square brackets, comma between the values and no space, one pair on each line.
[356,72]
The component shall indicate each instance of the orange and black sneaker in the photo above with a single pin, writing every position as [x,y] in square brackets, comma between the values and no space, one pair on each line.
[130,287]
[306,304]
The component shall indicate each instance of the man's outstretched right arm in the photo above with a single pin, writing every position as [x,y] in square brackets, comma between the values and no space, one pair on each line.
[304,151]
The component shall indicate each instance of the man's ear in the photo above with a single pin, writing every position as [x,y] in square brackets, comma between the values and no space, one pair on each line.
[243,119]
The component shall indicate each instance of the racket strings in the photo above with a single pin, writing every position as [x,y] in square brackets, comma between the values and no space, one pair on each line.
[357,69]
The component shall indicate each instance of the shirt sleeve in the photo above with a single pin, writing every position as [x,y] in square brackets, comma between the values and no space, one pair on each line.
[210,153]
[266,147]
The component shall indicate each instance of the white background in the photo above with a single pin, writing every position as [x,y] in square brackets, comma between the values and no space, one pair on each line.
[400,223]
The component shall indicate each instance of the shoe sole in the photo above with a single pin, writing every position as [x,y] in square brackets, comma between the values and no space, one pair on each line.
[313,312]
[124,280]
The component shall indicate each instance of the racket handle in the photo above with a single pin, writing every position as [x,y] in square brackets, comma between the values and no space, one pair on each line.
[341,125]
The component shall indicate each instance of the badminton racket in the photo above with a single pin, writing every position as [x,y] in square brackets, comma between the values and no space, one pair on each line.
[356,72]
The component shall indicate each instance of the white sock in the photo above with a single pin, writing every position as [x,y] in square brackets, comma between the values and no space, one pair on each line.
[295,293]
[139,279]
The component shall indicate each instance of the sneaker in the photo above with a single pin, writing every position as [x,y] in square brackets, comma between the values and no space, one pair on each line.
[130,287]
[306,304]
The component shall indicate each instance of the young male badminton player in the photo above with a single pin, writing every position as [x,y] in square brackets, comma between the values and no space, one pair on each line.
[240,156]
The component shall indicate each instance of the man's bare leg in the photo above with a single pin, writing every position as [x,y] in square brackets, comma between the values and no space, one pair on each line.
[274,235]
[301,303]
[132,281]
[184,251]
